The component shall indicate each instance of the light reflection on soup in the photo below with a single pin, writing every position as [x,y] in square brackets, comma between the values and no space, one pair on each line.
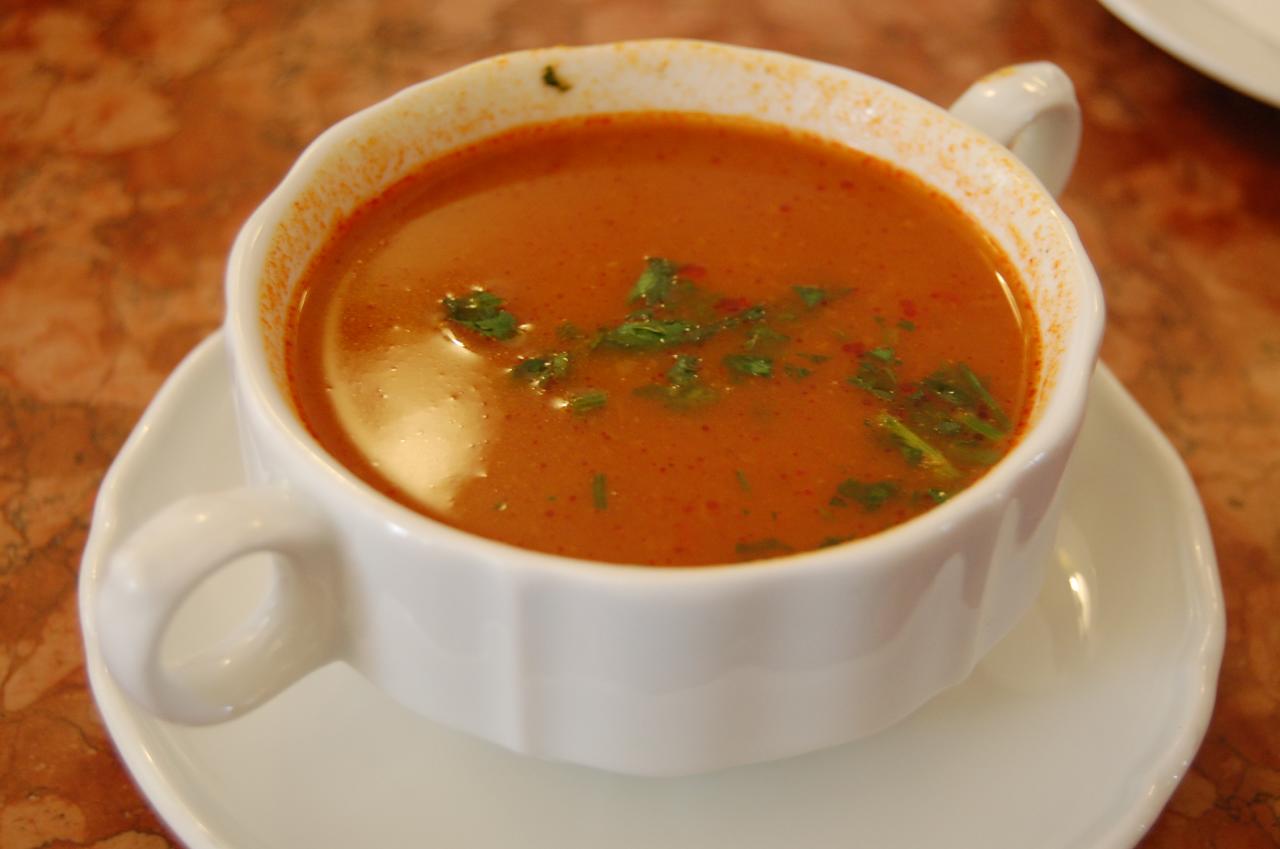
[663,339]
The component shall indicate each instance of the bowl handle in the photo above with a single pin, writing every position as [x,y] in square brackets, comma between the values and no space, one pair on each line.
[1032,110]
[161,564]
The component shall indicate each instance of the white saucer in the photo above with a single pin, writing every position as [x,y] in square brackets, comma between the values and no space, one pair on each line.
[1073,733]
[1208,37]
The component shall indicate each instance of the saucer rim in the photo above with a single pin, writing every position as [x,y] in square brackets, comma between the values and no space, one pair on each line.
[124,722]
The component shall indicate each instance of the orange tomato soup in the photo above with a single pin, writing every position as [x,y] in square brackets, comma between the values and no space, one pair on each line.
[663,339]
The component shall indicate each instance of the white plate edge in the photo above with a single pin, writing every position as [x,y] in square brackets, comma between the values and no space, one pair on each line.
[1156,30]
[1163,776]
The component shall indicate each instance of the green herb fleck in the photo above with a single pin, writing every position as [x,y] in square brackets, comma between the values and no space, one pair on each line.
[653,286]
[570,332]
[539,371]
[651,333]
[871,496]
[684,371]
[827,542]
[813,296]
[907,325]
[955,404]
[690,396]
[980,427]
[684,390]
[797,372]
[980,389]
[599,491]
[586,402]
[743,483]
[876,374]
[551,78]
[750,365]
[482,312]
[975,453]
[816,359]
[761,335]
[915,449]
[960,387]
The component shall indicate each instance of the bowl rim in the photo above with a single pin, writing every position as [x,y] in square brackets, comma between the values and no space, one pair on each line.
[261,395]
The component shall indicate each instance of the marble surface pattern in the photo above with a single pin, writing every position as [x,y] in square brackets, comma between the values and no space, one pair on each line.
[136,136]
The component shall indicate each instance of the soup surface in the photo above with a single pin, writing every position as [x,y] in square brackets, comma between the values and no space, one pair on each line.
[663,339]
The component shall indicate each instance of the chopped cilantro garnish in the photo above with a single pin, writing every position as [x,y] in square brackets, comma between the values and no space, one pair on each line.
[813,296]
[975,453]
[955,404]
[960,387]
[871,496]
[539,371]
[684,389]
[586,402]
[653,286]
[798,372]
[551,79]
[569,332]
[907,325]
[674,311]
[980,389]
[876,374]
[651,333]
[761,335]
[814,358]
[915,450]
[743,483]
[749,365]
[684,371]
[981,427]
[482,312]
[600,491]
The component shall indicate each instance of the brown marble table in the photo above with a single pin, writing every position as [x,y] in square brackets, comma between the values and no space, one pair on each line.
[136,136]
